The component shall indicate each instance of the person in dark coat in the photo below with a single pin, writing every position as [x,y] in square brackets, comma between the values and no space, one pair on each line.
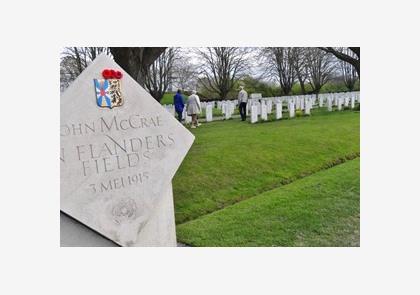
[179,104]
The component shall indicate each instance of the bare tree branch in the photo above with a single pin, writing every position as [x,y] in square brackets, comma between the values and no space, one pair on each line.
[221,67]
[345,57]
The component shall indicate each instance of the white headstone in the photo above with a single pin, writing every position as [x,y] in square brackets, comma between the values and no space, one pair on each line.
[339,104]
[254,114]
[117,163]
[209,113]
[307,108]
[255,95]
[329,104]
[264,112]
[228,110]
[279,109]
[352,101]
[269,106]
[291,109]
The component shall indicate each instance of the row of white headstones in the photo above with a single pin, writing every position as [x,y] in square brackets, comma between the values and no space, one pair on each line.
[261,107]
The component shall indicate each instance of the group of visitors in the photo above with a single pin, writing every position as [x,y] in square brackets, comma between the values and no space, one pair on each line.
[194,106]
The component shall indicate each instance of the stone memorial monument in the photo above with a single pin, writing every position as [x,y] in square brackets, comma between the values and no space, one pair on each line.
[119,151]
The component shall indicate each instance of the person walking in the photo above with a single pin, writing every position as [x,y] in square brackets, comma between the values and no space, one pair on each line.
[194,108]
[242,100]
[179,104]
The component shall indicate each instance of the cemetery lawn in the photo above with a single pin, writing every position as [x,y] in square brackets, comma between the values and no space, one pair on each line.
[318,210]
[232,161]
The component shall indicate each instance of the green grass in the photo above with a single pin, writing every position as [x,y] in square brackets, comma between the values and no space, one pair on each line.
[232,161]
[318,210]
[168,98]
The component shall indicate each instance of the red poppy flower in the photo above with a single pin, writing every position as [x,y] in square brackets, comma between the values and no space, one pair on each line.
[106,74]
[118,75]
[112,74]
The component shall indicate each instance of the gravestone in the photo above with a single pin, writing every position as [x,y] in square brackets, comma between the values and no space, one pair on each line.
[263,111]
[321,100]
[307,107]
[352,101]
[279,109]
[269,106]
[339,104]
[232,107]
[223,108]
[329,104]
[170,108]
[291,109]
[119,151]
[187,118]
[259,103]
[209,113]
[346,102]
[228,110]
[254,113]
[255,96]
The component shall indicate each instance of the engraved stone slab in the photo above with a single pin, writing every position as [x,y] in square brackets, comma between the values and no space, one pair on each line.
[117,163]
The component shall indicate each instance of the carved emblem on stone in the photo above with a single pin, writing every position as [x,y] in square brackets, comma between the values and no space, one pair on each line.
[108,90]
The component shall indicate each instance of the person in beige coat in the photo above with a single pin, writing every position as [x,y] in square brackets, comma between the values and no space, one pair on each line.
[194,108]
[242,101]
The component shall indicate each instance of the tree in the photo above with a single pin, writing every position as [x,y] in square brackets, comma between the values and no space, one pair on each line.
[256,85]
[320,66]
[220,67]
[93,52]
[136,60]
[74,60]
[159,74]
[348,71]
[279,63]
[300,66]
[185,73]
[353,58]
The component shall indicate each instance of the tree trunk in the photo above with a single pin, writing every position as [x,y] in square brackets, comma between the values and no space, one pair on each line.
[78,60]
[353,61]
[136,60]
[302,85]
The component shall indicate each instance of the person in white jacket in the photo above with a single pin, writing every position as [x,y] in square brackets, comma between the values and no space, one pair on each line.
[242,100]
[194,108]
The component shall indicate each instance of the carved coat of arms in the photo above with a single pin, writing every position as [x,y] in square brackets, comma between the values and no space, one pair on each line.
[108,90]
